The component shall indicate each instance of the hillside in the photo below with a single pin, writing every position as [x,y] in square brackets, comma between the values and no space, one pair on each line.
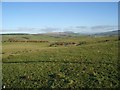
[111,33]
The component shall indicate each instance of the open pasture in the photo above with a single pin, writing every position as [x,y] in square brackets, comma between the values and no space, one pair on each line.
[90,62]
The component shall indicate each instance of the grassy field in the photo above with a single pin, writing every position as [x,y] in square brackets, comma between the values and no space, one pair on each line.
[89,62]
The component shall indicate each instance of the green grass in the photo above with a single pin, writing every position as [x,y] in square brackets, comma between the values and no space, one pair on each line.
[36,65]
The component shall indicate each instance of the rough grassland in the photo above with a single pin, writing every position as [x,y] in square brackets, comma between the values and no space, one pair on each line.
[37,65]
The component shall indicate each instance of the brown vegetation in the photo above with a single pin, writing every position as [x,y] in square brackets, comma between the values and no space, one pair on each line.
[12,40]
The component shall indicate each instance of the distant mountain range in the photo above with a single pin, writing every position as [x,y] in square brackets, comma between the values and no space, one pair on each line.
[70,33]
[110,33]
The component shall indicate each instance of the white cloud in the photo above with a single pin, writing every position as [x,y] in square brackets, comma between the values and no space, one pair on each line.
[76,29]
[50,29]
[103,28]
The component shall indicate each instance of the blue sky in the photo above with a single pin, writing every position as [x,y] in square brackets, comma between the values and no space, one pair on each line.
[37,17]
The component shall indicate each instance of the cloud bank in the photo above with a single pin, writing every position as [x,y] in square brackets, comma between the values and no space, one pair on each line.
[76,29]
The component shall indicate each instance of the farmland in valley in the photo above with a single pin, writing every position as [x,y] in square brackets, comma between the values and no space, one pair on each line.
[44,61]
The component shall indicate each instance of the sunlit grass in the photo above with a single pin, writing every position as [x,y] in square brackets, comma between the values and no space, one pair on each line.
[36,65]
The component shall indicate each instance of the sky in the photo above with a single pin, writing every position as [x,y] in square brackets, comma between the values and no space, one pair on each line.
[42,17]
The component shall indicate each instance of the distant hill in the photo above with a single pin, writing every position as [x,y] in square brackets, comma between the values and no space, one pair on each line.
[110,33]
[69,33]
[66,33]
